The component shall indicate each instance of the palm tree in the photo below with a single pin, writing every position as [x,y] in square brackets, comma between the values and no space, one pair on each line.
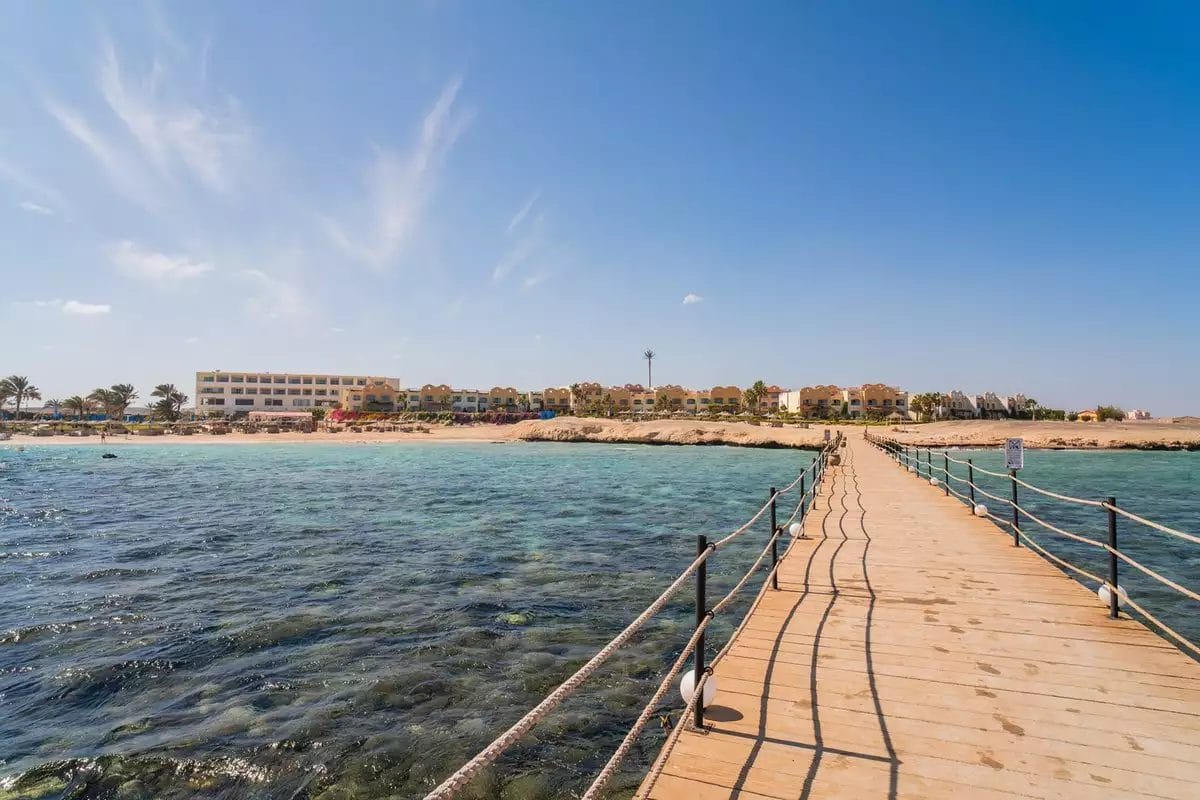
[77,404]
[1031,407]
[649,356]
[104,398]
[170,406]
[754,395]
[21,389]
[56,404]
[123,395]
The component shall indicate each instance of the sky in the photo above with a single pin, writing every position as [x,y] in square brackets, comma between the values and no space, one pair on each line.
[984,196]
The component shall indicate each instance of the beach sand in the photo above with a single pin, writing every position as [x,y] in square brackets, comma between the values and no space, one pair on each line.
[1150,435]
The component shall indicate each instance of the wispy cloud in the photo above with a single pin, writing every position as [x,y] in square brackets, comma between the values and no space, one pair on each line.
[191,340]
[533,280]
[164,135]
[399,186]
[520,216]
[138,262]
[76,308]
[275,297]
[35,208]
[336,329]
[19,177]
[691,298]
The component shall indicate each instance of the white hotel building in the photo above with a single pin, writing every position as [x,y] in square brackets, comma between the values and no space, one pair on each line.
[235,392]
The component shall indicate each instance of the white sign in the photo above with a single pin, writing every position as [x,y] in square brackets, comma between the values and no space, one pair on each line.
[1014,454]
[827,434]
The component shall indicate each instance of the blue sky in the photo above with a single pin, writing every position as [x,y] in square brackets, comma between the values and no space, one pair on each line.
[941,195]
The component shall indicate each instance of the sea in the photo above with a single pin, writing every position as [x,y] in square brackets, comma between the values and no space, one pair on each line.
[335,621]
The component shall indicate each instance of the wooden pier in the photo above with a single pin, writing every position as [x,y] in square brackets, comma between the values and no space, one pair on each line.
[911,651]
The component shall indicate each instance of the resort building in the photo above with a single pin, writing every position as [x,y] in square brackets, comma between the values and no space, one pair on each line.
[814,401]
[377,395]
[991,406]
[957,405]
[1137,414]
[1016,404]
[232,393]
[876,400]
[1088,415]
[439,397]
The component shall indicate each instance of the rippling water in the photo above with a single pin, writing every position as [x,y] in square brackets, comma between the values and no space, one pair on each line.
[341,621]
[354,621]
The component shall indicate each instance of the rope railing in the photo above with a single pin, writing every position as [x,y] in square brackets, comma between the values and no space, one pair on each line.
[694,646]
[1116,593]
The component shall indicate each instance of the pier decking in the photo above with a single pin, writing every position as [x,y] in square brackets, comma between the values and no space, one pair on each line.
[912,651]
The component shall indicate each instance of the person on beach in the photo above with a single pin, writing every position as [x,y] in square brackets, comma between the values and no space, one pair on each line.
[102,435]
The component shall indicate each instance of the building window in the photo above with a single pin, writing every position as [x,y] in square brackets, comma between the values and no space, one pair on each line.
[216,401]
[222,379]
[293,391]
[308,381]
[281,391]
[251,391]
[362,381]
[294,381]
[236,390]
[321,381]
[321,392]
[243,402]
[280,379]
[207,379]
[308,391]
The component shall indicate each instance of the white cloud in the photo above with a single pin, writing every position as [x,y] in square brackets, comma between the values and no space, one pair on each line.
[85,309]
[337,330]
[691,298]
[138,262]
[191,340]
[399,186]
[11,173]
[35,208]
[48,303]
[520,216]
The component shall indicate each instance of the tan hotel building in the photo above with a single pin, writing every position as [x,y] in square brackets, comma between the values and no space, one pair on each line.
[234,392]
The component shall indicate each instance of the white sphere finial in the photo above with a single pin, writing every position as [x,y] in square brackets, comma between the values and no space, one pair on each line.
[687,688]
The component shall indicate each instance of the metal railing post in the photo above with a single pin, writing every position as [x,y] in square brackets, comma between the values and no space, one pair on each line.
[701,613]
[774,542]
[971,482]
[1016,519]
[802,504]
[946,473]
[1112,559]
[928,462]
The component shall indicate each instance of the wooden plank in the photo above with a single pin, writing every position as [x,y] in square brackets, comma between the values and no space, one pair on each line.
[912,651]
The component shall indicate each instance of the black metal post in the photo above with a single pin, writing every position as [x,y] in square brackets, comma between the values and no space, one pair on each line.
[929,462]
[774,542]
[1112,559]
[701,613]
[1016,521]
[946,473]
[971,482]
[801,505]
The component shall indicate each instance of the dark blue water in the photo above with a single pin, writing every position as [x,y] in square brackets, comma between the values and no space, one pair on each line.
[354,621]
[336,621]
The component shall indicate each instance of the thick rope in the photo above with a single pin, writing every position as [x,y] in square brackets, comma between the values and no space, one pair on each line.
[1064,497]
[1183,590]
[1057,530]
[455,782]
[1188,643]
[1154,525]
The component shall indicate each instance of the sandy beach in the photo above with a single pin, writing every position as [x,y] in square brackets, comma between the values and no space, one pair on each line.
[1147,435]
[1150,435]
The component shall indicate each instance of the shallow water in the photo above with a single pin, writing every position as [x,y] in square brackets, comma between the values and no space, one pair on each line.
[336,621]
[342,620]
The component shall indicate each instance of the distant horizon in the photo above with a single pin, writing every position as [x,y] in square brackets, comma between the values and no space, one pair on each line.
[982,196]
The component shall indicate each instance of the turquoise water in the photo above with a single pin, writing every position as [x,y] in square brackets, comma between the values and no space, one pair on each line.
[343,620]
[337,621]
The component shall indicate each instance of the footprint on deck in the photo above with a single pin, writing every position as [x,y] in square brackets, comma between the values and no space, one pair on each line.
[984,693]
[984,758]
[975,621]
[1099,778]
[1031,669]
[941,649]
[1133,743]
[988,668]
[1010,727]
[957,629]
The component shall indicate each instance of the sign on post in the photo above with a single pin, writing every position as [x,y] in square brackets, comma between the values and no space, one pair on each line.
[1014,454]
[827,434]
